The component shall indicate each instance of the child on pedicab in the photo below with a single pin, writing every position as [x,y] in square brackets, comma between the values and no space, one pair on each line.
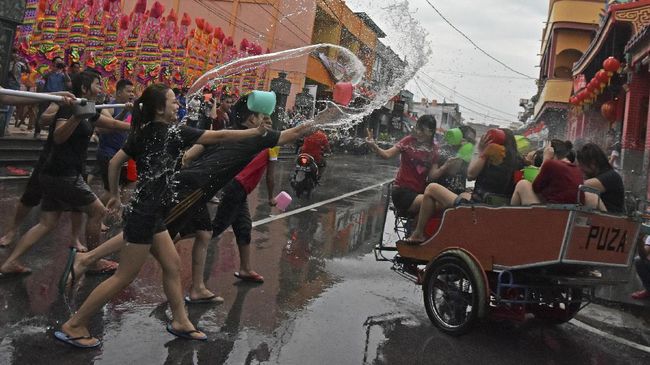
[493,166]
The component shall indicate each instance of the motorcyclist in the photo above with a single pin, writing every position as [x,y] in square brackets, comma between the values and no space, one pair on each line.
[315,145]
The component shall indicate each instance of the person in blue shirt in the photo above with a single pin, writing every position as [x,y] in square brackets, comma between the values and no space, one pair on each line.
[54,81]
[110,140]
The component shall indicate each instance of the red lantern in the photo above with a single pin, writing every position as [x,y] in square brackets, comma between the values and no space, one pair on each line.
[611,64]
[573,100]
[186,20]
[602,76]
[593,85]
[608,110]
[243,46]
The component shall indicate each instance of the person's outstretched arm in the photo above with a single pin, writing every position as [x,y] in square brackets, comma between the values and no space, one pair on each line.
[385,154]
[226,135]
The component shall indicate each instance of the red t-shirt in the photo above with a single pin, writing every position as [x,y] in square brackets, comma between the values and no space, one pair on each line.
[314,145]
[558,182]
[251,175]
[415,163]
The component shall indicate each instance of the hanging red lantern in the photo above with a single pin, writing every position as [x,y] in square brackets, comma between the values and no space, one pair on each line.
[608,110]
[611,64]
[186,20]
[593,85]
[573,100]
[243,46]
[602,76]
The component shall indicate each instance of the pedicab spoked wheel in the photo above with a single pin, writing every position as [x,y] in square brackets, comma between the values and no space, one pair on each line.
[567,304]
[454,292]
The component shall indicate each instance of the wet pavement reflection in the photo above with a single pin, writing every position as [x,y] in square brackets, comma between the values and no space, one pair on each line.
[325,299]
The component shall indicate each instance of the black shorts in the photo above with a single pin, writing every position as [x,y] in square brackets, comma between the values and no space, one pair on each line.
[65,193]
[403,198]
[102,170]
[233,211]
[32,195]
[198,221]
[141,223]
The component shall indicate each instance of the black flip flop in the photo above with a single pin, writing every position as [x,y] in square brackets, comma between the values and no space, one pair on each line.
[14,274]
[74,341]
[185,334]
[69,270]
[213,299]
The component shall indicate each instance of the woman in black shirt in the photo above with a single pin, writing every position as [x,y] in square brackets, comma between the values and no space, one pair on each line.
[600,175]
[155,145]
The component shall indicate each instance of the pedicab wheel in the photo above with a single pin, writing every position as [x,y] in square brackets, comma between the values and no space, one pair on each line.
[454,292]
[558,313]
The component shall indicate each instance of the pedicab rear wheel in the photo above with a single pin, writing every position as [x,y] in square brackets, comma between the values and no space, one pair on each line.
[454,292]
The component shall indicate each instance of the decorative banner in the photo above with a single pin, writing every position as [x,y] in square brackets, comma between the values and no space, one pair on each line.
[142,46]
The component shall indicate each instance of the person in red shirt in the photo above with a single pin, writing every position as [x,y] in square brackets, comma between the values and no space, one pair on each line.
[314,145]
[557,181]
[418,154]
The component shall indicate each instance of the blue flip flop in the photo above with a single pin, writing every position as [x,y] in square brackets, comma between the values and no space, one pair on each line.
[185,334]
[69,265]
[74,341]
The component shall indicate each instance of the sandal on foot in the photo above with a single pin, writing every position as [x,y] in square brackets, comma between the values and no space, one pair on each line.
[252,277]
[108,269]
[22,271]
[186,334]
[74,341]
[207,300]
[68,272]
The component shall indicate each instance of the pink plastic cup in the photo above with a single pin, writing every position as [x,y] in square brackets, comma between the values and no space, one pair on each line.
[283,199]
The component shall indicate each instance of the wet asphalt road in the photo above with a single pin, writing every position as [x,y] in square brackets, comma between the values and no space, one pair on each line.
[325,299]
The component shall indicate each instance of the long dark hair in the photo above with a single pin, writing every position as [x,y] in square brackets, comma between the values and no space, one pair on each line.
[511,148]
[591,154]
[562,149]
[153,98]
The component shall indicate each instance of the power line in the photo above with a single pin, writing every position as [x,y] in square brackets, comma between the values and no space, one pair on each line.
[452,72]
[484,115]
[251,30]
[466,97]
[285,17]
[476,45]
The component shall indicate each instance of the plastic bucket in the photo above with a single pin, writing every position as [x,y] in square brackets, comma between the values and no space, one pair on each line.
[465,152]
[523,144]
[497,136]
[261,102]
[342,93]
[283,199]
[530,172]
[454,136]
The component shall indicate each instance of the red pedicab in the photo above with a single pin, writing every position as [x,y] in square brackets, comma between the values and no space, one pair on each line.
[510,261]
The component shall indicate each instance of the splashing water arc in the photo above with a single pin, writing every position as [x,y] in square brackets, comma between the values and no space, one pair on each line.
[412,44]
[352,66]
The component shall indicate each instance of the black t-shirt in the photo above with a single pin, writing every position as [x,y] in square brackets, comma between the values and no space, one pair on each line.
[221,162]
[156,150]
[455,182]
[497,179]
[614,195]
[69,157]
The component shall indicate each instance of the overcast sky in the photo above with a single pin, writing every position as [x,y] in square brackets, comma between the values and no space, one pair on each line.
[509,30]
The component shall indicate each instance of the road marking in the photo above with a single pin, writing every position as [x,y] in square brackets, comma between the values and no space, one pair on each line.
[609,336]
[316,205]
